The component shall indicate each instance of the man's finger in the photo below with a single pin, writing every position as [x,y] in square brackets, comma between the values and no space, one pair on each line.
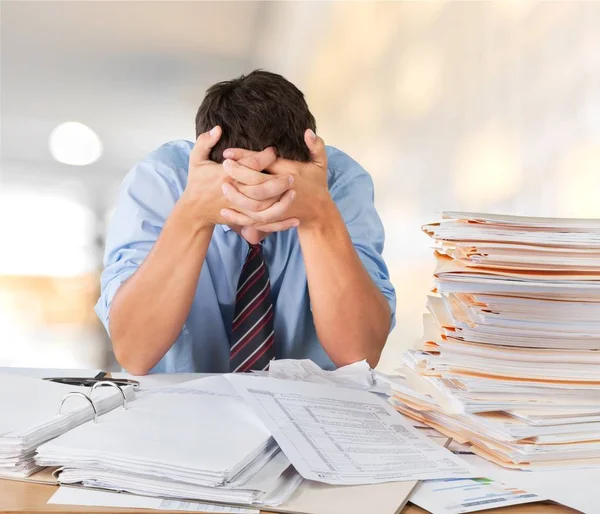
[274,213]
[316,147]
[236,218]
[283,167]
[237,153]
[259,161]
[254,237]
[241,201]
[243,174]
[204,144]
[279,226]
[272,188]
[241,153]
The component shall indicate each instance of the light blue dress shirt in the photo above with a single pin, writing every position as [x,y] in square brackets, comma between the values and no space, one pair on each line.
[147,195]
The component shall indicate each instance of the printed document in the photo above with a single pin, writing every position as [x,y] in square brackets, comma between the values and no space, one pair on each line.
[343,436]
[575,488]
[95,498]
[467,495]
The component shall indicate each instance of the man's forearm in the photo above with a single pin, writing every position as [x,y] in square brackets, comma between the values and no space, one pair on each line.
[351,314]
[149,309]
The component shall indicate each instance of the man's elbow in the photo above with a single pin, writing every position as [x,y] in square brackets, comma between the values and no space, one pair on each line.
[129,360]
[370,353]
[137,370]
[373,359]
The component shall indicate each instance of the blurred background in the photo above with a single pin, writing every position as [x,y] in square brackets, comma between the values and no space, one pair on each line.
[487,106]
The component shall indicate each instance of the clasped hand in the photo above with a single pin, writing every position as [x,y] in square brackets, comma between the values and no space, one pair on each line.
[256,191]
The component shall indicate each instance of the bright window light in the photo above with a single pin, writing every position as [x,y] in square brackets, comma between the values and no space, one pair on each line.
[75,143]
[45,235]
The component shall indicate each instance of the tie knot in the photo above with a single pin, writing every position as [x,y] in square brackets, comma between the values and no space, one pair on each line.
[254,256]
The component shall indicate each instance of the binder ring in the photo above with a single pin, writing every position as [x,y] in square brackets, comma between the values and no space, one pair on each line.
[83,396]
[111,384]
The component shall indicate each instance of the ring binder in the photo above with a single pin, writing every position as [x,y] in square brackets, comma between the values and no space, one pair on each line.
[111,384]
[73,393]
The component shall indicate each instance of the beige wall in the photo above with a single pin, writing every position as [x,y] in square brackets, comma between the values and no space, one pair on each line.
[485,106]
[491,106]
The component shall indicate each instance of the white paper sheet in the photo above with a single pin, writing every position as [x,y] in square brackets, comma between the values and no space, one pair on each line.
[184,428]
[576,488]
[343,436]
[33,405]
[358,375]
[208,385]
[94,498]
[467,495]
[318,498]
[160,379]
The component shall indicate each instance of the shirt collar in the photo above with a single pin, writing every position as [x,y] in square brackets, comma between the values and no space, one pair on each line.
[226,228]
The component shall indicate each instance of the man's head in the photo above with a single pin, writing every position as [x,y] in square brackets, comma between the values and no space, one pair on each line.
[255,111]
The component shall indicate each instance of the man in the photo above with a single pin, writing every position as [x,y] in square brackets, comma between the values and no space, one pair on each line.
[256,242]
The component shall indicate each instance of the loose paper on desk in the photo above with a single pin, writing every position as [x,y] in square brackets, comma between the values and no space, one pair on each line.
[575,488]
[156,380]
[355,376]
[344,436]
[94,498]
[467,495]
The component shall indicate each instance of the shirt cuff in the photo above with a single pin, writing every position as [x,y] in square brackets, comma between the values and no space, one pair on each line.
[107,295]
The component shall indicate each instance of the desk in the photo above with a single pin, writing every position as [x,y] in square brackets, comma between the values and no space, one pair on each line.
[24,497]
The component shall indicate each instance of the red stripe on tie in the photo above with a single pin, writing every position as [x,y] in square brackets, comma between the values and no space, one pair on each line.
[268,345]
[250,336]
[253,253]
[258,299]
[250,284]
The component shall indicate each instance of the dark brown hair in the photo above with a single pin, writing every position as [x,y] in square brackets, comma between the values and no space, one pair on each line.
[255,111]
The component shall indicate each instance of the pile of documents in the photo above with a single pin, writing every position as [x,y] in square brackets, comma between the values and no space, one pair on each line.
[252,440]
[344,436]
[196,440]
[510,361]
[33,406]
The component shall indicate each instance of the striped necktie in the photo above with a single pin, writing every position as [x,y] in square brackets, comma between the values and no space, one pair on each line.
[252,333]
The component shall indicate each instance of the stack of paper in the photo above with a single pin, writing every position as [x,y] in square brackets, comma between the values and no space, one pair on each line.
[30,417]
[96,498]
[510,361]
[344,436]
[228,439]
[196,440]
